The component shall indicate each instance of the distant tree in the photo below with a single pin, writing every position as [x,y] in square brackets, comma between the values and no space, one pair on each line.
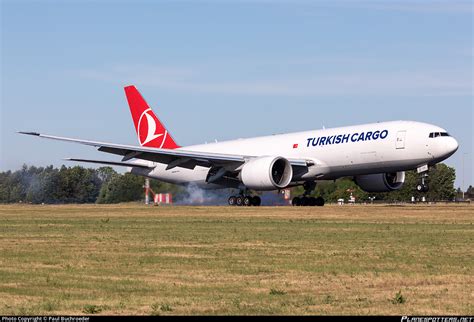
[77,185]
[5,186]
[19,181]
[106,173]
[441,183]
[122,188]
[469,193]
[459,193]
[325,190]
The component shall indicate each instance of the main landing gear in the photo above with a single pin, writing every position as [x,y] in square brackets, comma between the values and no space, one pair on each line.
[246,201]
[304,200]
[307,201]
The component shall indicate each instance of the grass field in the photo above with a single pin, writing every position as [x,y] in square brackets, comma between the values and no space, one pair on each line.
[132,259]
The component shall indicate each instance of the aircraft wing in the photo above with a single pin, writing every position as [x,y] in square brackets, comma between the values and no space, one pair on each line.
[173,158]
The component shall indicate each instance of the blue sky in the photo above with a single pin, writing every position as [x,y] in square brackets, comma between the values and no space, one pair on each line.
[230,69]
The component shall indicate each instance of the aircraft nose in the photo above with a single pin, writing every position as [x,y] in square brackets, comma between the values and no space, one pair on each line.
[452,145]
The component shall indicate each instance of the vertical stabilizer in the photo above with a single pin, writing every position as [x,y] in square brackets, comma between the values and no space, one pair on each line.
[150,131]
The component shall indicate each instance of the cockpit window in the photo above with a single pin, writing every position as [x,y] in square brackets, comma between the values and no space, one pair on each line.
[436,134]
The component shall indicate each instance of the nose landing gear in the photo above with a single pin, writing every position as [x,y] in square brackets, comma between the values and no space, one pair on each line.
[422,186]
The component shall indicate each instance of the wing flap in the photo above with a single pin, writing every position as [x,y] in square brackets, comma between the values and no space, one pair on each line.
[120,164]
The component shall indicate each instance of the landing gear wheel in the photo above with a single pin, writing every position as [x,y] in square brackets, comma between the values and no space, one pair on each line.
[232,201]
[422,187]
[319,202]
[256,201]
[247,201]
[305,201]
[308,201]
[239,201]
[243,200]
[296,202]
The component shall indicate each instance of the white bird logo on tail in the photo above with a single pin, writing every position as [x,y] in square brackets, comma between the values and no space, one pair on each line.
[151,133]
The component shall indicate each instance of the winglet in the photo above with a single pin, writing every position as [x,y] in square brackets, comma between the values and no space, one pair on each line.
[150,131]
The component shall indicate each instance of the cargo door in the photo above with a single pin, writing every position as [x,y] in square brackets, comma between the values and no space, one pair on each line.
[401,137]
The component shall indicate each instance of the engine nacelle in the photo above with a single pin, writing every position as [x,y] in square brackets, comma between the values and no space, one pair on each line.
[267,173]
[381,182]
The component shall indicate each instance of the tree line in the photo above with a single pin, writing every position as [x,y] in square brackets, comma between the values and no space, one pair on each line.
[77,184]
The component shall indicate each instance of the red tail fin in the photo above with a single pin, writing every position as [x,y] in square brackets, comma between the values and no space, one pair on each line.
[151,133]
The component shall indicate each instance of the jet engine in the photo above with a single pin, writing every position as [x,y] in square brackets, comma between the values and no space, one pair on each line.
[267,173]
[381,182]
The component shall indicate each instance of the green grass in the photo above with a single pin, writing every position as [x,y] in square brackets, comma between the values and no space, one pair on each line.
[132,259]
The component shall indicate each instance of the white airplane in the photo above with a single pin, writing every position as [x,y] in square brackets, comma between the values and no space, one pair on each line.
[375,155]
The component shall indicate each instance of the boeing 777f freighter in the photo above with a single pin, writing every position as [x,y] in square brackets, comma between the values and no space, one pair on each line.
[375,155]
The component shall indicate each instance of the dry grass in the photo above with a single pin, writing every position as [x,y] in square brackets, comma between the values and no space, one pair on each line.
[132,259]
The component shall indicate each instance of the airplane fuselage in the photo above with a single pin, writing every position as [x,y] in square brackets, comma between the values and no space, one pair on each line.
[383,147]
